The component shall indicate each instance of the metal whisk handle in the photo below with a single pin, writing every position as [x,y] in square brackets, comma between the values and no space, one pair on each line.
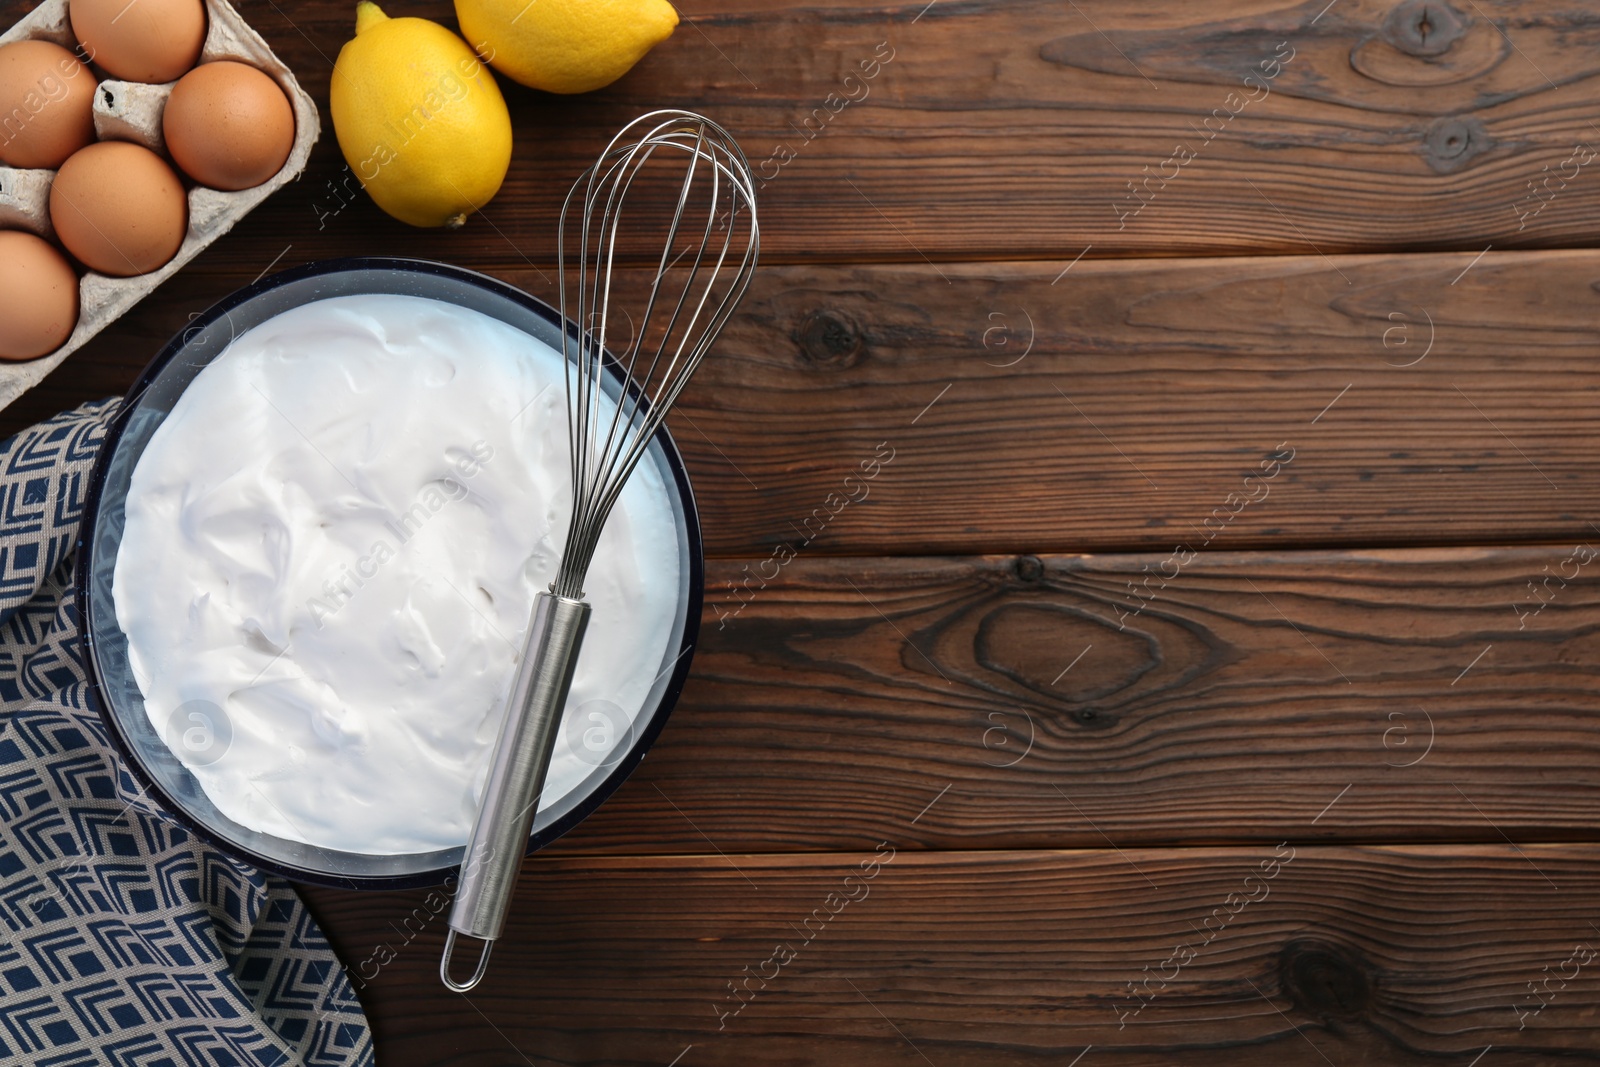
[511,795]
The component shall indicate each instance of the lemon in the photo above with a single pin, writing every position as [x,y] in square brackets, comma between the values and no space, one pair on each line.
[419,119]
[565,46]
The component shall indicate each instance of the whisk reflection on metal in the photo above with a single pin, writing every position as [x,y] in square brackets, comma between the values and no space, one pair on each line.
[691,298]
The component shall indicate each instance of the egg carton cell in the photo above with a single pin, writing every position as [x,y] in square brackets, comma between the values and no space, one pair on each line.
[132,111]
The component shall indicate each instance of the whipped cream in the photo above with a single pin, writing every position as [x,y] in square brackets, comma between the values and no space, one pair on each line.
[331,551]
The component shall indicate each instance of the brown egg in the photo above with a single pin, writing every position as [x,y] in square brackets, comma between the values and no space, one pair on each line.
[46,104]
[38,297]
[228,125]
[140,40]
[119,208]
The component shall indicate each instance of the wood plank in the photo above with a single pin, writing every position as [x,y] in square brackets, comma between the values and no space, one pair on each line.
[1017,129]
[1428,399]
[1395,696]
[1286,953]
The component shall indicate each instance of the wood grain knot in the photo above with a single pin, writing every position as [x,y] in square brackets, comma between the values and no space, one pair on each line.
[1030,569]
[1427,43]
[830,339]
[1423,27]
[1041,647]
[1451,143]
[1325,980]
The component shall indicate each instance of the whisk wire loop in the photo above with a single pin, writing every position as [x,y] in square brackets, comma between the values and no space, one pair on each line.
[660,356]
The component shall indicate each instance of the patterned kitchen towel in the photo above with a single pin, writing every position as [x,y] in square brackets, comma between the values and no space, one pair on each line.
[127,941]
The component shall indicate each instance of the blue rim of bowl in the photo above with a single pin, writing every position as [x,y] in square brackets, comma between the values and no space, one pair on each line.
[620,771]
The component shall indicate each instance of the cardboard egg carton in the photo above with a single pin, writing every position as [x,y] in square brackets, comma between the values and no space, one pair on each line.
[130,111]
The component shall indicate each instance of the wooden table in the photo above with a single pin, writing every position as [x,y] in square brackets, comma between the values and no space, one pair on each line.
[1206,674]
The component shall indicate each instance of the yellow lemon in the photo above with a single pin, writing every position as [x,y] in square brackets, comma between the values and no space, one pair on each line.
[565,46]
[419,118]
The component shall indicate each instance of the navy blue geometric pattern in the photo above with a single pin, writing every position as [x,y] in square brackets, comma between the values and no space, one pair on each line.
[123,939]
